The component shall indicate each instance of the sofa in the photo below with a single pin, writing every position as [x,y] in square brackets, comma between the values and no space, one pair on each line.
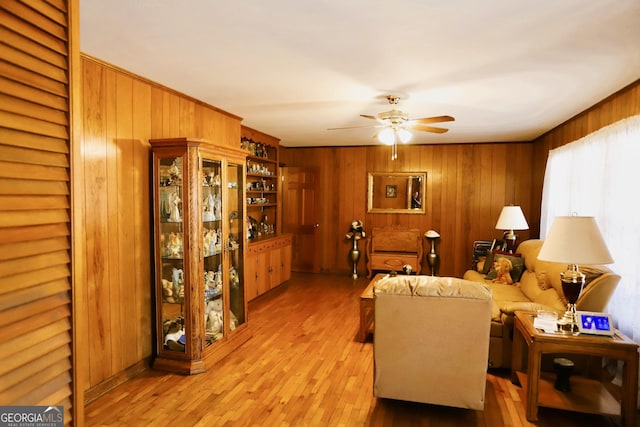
[431,340]
[536,286]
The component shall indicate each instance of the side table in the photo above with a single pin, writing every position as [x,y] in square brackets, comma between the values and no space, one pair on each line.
[586,395]
[366,309]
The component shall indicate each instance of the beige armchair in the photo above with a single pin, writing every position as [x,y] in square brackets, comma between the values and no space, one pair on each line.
[431,340]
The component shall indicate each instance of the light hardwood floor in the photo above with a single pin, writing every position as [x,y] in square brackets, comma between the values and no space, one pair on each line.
[304,367]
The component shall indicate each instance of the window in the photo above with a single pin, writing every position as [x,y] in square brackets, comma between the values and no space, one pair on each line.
[599,175]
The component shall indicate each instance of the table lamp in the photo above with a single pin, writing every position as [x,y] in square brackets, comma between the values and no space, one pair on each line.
[574,240]
[432,257]
[511,218]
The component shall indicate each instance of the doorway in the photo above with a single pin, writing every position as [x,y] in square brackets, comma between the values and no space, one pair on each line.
[300,216]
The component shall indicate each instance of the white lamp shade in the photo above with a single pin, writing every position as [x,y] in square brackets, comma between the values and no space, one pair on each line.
[575,240]
[432,234]
[386,136]
[404,135]
[512,218]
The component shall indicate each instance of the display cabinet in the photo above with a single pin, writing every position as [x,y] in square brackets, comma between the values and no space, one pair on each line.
[199,250]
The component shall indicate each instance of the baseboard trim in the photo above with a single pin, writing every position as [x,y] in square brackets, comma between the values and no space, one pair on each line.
[93,393]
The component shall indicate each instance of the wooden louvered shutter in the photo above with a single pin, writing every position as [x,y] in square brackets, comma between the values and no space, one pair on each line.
[35,208]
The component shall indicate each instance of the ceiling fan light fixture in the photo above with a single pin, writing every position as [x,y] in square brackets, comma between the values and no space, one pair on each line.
[404,135]
[386,136]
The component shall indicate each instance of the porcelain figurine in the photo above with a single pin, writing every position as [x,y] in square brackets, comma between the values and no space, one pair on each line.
[174,215]
[174,245]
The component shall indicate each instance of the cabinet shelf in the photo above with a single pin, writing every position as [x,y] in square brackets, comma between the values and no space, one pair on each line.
[262,192]
[261,159]
[261,205]
[261,175]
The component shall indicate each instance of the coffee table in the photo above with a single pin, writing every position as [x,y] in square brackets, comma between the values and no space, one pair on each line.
[366,309]
[587,395]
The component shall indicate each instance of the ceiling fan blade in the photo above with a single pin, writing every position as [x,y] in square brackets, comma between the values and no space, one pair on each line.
[432,129]
[358,127]
[366,116]
[436,119]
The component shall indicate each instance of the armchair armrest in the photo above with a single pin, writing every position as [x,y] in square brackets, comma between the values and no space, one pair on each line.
[511,307]
[596,295]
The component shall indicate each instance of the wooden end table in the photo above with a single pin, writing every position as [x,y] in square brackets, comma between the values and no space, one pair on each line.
[586,395]
[366,309]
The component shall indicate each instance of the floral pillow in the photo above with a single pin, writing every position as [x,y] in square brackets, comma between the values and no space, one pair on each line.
[516,270]
[490,259]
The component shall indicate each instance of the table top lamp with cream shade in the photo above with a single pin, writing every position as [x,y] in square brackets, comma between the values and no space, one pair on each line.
[511,218]
[574,240]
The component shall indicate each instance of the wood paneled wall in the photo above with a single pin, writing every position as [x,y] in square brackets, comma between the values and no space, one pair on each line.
[467,186]
[121,112]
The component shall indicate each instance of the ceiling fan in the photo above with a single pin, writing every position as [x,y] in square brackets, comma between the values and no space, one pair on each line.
[396,125]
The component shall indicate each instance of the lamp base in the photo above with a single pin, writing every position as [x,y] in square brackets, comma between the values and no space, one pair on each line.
[568,324]
[572,283]
[510,241]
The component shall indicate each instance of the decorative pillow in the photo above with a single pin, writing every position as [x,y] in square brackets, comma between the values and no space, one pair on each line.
[488,262]
[529,285]
[480,263]
[517,266]
[499,252]
[541,276]
[491,254]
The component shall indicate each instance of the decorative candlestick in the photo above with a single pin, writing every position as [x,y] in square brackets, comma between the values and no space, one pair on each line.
[354,255]
[432,257]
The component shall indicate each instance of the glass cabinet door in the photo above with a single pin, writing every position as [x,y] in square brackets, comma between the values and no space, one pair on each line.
[171,252]
[236,244]
[212,249]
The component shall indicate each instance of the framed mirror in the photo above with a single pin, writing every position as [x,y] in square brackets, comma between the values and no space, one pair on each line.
[396,192]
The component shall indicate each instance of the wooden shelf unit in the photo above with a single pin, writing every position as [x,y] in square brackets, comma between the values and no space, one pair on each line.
[263,183]
[269,251]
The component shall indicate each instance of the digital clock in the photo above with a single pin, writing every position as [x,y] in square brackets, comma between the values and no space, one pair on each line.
[590,322]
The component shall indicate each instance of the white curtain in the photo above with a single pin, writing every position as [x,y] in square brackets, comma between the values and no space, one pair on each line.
[599,175]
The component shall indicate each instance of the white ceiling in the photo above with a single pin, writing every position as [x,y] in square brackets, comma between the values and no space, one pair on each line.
[507,70]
